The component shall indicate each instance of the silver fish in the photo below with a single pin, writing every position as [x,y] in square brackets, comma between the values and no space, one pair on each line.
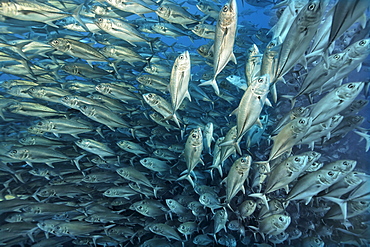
[179,81]
[192,152]
[224,41]
[236,177]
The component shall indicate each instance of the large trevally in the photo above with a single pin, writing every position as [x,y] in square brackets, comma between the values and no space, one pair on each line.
[224,41]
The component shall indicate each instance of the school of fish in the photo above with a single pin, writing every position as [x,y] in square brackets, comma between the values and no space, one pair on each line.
[160,123]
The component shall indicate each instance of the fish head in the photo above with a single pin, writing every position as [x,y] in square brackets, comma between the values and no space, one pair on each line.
[195,137]
[198,29]
[301,124]
[151,98]
[349,90]
[253,50]
[243,163]
[104,23]
[298,162]
[182,62]
[359,48]
[163,11]
[228,14]
[260,85]
[328,177]
[88,110]
[300,111]
[156,228]
[280,221]
[60,44]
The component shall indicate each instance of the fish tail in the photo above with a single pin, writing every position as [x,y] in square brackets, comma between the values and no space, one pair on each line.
[213,83]
[291,98]
[187,177]
[262,197]
[366,137]
[341,203]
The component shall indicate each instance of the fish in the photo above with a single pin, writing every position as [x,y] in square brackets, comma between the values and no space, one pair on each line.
[273,225]
[288,136]
[313,183]
[95,147]
[338,99]
[121,30]
[78,49]
[299,36]
[192,153]
[175,14]
[104,157]
[250,107]
[179,80]
[224,41]
[236,177]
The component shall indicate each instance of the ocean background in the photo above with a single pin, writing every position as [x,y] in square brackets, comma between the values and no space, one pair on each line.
[252,22]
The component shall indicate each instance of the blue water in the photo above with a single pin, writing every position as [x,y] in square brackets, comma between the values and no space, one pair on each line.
[352,146]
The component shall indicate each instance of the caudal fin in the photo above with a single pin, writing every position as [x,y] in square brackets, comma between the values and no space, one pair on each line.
[213,83]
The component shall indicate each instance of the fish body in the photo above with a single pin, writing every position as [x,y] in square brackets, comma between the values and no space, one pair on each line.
[338,99]
[192,152]
[161,106]
[299,36]
[253,64]
[121,30]
[37,154]
[236,177]
[289,169]
[289,135]
[95,147]
[250,106]
[77,49]
[313,183]
[179,80]
[101,115]
[175,14]
[224,41]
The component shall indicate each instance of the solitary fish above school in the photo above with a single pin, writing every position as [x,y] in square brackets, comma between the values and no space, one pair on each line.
[224,41]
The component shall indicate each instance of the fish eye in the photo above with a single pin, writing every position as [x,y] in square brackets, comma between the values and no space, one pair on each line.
[225,9]
[336,57]
[345,163]
[330,173]
[302,121]
[181,57]
[55,42]
[350,85]
[196,27]
[311,7]
[317,240]
[362,43]
[100,19]
[160,8]
[297,159]
[13,151]
[260,80]
[194,135]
